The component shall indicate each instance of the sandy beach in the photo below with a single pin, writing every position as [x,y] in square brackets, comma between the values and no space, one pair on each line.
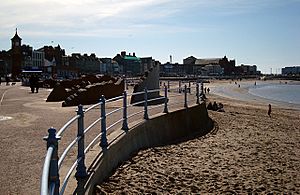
[247,152]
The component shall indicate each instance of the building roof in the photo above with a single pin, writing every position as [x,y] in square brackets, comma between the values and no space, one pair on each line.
[127,57]
[16,36]
[207,61]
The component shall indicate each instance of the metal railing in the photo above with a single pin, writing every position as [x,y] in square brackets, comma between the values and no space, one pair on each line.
[50,180]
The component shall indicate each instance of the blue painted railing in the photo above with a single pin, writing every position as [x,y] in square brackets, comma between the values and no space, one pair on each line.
[50,181]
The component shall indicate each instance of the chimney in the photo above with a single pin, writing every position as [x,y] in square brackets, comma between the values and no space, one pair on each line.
[133,54]
[123,53]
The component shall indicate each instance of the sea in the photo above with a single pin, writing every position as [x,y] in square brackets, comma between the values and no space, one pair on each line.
[287,93]
[281,93]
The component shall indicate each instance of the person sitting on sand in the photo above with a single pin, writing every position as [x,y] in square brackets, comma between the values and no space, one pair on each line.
[269,111]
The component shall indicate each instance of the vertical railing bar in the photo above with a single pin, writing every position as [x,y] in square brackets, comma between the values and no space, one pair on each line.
[125,122]
[146,104]
[81,168]
[103,142]
[185,97]
[166,99]
[197,93]
[179,86]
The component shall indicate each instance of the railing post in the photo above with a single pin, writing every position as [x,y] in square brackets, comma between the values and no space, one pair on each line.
[103,142]
[52,140]
[146,104]
[166,100]
[81,169]
[169,86]
[190,91]
[202,92]
[125,123]
[185,97]
[197,93]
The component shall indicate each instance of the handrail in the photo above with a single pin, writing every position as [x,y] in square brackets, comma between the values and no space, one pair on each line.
[67,177]
[92,143]
[115,110]
[45,173]
[114,124]
[154,99]
[153,107]
[63,156]
[93,106]
[67,125]
[92,125]
[136,103]
[114,99]
[79,162]
[129,116]
[153,90]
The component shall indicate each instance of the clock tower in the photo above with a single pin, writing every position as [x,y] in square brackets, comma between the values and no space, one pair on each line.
[16,55]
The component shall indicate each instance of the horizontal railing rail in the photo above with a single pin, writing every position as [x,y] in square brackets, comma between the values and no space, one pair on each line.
[50,181]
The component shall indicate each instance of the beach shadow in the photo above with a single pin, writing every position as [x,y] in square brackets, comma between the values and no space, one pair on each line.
[211,128]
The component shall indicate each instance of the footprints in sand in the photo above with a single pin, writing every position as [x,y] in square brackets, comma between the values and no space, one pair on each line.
[246,154]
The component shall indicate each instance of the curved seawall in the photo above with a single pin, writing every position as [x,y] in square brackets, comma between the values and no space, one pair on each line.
[160,130]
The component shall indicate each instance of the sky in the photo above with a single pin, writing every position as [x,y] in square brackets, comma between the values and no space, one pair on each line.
[261,32]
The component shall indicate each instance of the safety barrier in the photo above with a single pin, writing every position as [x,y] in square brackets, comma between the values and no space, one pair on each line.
[50,181]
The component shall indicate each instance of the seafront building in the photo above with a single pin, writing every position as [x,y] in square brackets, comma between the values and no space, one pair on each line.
[54,63]
[293,70]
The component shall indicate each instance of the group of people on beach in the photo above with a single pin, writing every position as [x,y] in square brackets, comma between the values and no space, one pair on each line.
[34,83]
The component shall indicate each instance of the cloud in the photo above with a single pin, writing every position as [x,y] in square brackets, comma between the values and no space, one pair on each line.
[113,17]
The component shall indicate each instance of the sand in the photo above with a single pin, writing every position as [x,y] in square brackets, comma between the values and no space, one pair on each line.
[247,152]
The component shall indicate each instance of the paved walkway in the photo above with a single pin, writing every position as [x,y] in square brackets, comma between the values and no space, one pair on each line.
[24,120]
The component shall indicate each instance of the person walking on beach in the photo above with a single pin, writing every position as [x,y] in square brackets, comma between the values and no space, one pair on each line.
[269,111]
[208,90]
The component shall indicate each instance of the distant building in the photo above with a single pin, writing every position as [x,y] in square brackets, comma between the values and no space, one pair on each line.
[85,63]
[16,55]
[5,67]
[212,70]
[244,69]
[38,59]
[130,64]
[109,67]
[293,70]
[53,59]
[170,69]
[197,66]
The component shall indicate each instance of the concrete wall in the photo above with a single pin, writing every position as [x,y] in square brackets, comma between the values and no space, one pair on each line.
[160,130]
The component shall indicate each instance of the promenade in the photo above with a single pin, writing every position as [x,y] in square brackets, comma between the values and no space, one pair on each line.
[22,148]
[25,118]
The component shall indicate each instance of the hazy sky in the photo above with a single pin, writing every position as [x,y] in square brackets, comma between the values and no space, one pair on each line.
[262,32]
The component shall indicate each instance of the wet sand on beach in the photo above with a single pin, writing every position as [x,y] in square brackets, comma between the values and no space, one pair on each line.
[247,152]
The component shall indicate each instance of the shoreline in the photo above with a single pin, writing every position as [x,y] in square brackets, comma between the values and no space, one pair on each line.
[230,90]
